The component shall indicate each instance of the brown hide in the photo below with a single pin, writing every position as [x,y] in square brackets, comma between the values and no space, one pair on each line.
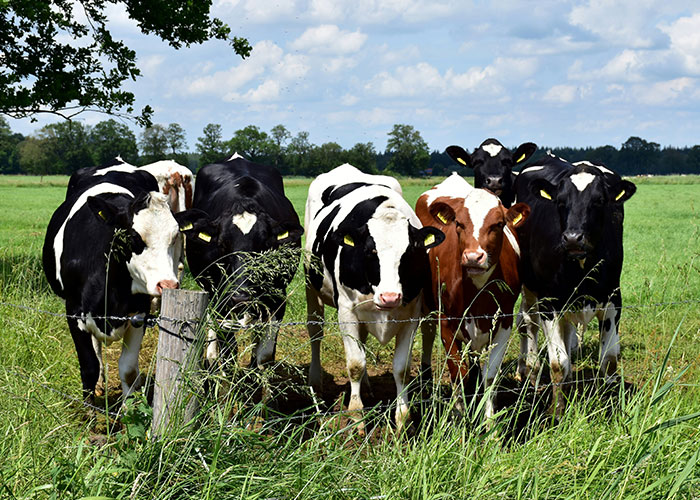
[449,272]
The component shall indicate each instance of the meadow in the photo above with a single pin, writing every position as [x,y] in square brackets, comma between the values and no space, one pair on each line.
[638,440]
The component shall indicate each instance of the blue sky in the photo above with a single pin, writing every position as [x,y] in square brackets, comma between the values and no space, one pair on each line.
[558,73]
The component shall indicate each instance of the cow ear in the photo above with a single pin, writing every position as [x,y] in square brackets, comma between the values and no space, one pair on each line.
[459,155]
[517,214]
[543,189]
[289,232]
[196,224]
[109,211]
[428,237]
[623,191]
[524,151]
[442,213]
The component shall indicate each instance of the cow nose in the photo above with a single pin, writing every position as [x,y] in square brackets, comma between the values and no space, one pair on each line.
[572,239]
[163,284]
[477,258]
[494,182]
[389,299]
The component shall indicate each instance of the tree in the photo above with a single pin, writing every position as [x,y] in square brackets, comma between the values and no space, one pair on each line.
[153,144]
[109,139]
[252,143]
[177,140]
[279,135]
[66,147]
[60,57]
[33,157]
[363,156]
[298,153]
[9,156]
[211,145]
[410,152]
[324,158]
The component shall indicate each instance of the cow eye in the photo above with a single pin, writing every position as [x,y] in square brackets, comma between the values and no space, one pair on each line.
[497,227]
[283,235]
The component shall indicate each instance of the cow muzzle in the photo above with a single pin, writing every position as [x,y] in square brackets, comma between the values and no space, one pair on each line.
[163,284]
[475,262]
[575,244]
[494,184]
[388,300]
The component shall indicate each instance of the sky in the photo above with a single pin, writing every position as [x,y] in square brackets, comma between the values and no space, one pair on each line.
[553,72]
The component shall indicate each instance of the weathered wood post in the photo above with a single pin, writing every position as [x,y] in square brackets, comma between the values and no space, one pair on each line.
[178,358]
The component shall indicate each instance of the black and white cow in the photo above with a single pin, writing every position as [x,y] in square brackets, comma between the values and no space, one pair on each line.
[109,248]
[368,259]
[493,166]
[242,212]
[571,261]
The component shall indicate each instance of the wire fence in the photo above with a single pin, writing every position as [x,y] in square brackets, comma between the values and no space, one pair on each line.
[151,321]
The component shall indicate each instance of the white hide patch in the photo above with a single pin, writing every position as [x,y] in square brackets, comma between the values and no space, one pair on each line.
[87,324]
[244,221]
[479,203]
[492,149]
[158,261]
[93,191]
[531,169]
[234,156]
[582,180]
[455,186]
[512,240]
[599,167]
[124,167]
[389,229]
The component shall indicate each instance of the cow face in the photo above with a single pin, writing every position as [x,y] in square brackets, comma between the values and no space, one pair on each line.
[383,256]
[492,164]
[224,245]
[479,224]
[583,200]
[147,237]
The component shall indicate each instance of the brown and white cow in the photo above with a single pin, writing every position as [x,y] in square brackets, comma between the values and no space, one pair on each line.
[174,180]
[475,280]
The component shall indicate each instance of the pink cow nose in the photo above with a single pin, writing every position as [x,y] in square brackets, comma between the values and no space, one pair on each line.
[163,284]
[477,258]
[389,300]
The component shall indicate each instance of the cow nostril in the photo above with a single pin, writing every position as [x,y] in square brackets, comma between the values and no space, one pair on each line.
[164,284]
[390,299]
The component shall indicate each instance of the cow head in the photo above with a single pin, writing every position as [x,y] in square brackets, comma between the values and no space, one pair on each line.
[381,253]
[584,199]
[479,223]
[493,165]
[146,238]
[222,251]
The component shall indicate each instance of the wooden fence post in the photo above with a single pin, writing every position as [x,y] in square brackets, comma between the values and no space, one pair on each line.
[178,358]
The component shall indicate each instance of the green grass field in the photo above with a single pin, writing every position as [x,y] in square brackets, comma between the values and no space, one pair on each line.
[640,442]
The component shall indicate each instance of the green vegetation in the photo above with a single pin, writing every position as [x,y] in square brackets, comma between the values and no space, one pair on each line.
[638,442]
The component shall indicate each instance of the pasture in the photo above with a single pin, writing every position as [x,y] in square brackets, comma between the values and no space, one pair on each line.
[639,440]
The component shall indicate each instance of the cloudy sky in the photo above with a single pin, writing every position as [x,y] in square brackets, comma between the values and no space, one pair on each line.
[558,73]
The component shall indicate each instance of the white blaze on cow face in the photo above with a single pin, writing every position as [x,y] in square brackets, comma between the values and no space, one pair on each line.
[79,203]
[388,227]
[492,149]
[244,221]
[453,187]
[582,180]
[483,208]
[155,267]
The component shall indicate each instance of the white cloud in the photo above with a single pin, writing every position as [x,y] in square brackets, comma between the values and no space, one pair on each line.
[257,11]
[624,22]
[685,40]
[329,39]
[566,94]
[339,64]
[665,92]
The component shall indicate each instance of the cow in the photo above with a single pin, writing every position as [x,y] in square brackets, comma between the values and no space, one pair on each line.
[173,179]
[475,279]
[366,256]
[571,263]
[240,215]
[109,248]
[493,166]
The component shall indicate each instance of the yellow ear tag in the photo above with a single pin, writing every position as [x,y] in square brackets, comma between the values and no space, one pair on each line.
[204,237]
[462,161]
[622,193]
[520,159]
[429,240]
[442,218]
[517,219]
[544,194]
[102,214]
[348,240]
[283,235]
[186,227]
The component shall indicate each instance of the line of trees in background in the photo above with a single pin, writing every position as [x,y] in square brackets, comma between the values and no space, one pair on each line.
[64,147]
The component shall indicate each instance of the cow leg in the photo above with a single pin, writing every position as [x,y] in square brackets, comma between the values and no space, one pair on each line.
[314,327]
[212,348]
[609,339]
[499,344]
[129,360]
[356,364]
[527,325]
[556,331]
[100,388]
[87,359]
[428,329]
[459,370]
[402,371]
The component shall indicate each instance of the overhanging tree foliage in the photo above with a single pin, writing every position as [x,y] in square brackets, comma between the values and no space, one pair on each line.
[58,56]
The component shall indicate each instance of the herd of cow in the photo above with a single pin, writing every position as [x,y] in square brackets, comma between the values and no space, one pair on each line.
[551,233]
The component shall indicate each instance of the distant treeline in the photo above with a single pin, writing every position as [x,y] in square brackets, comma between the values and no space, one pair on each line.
[64,147]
